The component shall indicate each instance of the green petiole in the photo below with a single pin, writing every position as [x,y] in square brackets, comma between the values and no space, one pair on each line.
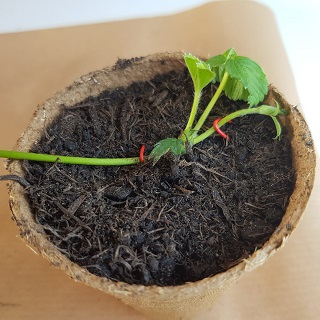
[264,109]
[19,155]
[214,99]
[193,112]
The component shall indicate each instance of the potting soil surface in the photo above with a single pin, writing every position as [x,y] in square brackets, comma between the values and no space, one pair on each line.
[184,218]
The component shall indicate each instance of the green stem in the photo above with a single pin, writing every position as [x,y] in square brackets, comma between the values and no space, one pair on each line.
[193,112]
[264,109]
[17,155]
[214,99]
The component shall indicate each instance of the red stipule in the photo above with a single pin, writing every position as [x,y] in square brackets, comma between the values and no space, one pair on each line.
[141,154]
[218,130]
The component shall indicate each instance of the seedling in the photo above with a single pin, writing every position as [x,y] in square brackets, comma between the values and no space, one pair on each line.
[240,78]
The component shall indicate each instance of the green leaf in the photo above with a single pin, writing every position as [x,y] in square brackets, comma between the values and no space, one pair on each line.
[200,72]
[273,112]
[235,90]
[230,54]
[248,74]
[276,112]
[278,127]
[268,110]
[279,111]
[176,146]
[217,63]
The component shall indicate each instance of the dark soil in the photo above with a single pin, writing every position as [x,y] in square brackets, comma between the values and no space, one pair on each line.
[178,221]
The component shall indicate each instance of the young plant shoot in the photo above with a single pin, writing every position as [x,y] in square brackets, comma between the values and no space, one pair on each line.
[240,78]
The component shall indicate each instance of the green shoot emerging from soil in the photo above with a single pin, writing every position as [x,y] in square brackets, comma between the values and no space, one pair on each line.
[240,78]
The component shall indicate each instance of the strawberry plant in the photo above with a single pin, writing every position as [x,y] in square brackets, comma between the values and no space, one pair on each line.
[239,78]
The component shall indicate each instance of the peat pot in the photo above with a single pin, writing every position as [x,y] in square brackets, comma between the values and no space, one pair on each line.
[185,300]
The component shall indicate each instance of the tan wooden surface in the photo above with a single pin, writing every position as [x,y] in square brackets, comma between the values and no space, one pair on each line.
[34,65]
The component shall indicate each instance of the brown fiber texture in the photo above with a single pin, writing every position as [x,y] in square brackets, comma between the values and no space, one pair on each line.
[177,302]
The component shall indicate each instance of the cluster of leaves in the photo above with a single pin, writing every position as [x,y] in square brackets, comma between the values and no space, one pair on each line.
[240,78]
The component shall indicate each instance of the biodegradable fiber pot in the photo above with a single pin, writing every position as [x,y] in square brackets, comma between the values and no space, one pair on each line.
[171,302]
